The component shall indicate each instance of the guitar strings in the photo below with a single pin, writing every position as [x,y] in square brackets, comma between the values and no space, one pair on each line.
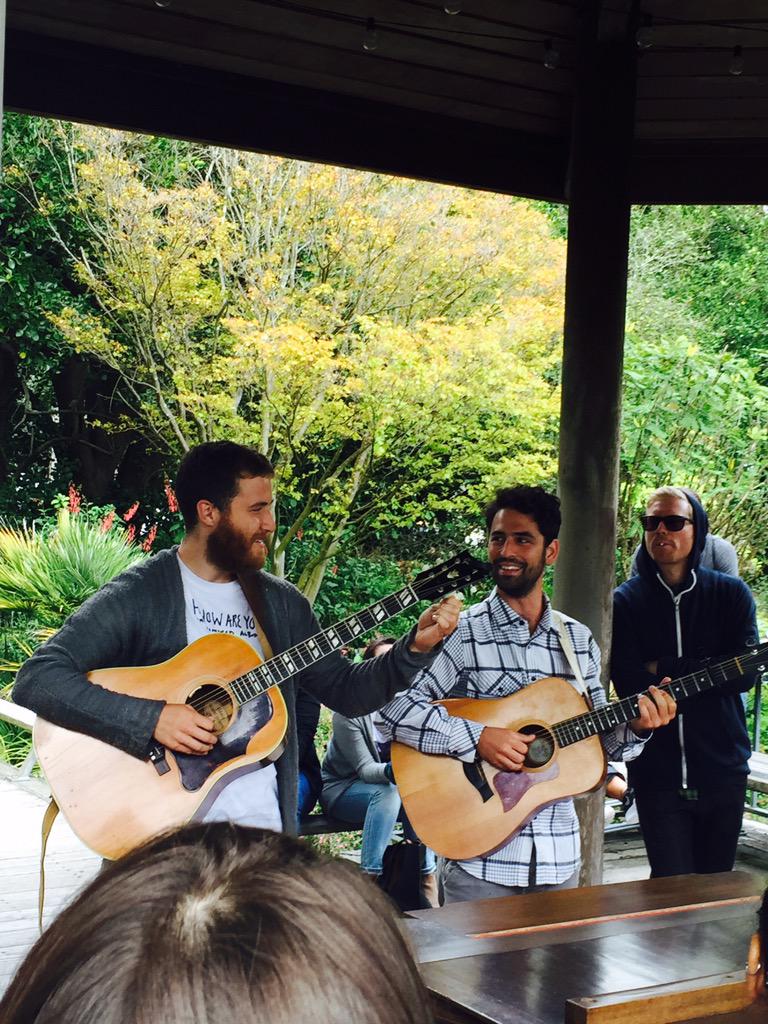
[570,728]
[303,652]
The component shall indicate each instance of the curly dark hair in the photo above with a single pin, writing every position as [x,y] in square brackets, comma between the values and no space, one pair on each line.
[540,505]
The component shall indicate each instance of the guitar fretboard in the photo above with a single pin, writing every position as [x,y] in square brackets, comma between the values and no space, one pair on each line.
[288,663]
[593,723]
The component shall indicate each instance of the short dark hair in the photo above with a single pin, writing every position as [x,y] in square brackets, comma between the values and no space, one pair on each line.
[221,924]
[212,472]
[540,505]
[375,644]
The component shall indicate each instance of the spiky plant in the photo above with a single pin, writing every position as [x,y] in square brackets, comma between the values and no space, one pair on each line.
[49,573]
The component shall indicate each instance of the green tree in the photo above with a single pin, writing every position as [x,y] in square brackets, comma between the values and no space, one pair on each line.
[385,341]
[692,416]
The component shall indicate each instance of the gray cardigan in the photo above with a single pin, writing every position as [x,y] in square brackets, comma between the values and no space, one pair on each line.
[352,754]
[138,619]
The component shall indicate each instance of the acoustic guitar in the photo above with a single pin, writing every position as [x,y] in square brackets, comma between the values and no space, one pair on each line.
[463,810]
[114,801]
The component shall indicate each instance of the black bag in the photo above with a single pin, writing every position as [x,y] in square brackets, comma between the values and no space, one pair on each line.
[401,875]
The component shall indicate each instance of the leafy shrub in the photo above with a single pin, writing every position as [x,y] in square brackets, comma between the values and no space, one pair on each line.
[49,573]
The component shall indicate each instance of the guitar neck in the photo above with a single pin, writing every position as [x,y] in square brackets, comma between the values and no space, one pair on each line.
[594,723]
[286,664]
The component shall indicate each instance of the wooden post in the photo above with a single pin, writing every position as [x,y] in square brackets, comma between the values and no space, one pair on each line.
[595,301]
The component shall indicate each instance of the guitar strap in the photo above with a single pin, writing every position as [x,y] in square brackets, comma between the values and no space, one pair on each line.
[570,655]
[255,599]
[48,819]
[263,639]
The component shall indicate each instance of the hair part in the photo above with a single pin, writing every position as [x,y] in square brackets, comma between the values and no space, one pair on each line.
[212,472]
[540,505]
[220,924]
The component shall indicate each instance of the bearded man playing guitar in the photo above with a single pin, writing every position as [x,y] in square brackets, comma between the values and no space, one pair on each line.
[502,645]
[214,582]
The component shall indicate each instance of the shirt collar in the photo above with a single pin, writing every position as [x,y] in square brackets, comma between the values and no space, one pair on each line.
[504,617]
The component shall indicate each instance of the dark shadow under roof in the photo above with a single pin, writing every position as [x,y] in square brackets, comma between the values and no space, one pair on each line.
[465,99]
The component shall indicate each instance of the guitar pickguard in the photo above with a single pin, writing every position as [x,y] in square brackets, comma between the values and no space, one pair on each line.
[512,786]
[194,769]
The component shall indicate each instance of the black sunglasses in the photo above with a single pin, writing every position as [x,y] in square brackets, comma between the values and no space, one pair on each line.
[672,523]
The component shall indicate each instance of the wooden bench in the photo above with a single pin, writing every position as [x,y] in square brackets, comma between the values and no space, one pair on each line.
[324,824]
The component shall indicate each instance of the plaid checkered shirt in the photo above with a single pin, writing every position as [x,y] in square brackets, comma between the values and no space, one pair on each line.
[491,654]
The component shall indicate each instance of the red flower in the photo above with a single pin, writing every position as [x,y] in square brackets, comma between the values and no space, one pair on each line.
[170,497]
[334,569]
[299,534]
[107,521]
[128,516]
[131,534]
[149,540]
[74,500]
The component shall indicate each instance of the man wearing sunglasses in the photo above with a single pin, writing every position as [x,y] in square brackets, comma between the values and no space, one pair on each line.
[717,553]
[690,780]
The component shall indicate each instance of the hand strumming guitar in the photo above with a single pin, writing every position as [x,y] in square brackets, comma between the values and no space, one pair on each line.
[184,730]
[503,748]
[437,622]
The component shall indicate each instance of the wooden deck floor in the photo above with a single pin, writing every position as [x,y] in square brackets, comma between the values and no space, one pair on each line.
[70,865]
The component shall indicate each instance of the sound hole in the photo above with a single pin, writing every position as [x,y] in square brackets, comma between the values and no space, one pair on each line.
[542,749]
[213,702]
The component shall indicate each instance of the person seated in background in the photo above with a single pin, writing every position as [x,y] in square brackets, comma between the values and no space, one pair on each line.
[310,778]
[221,924]
[618,791]
[717,554]
[359,785]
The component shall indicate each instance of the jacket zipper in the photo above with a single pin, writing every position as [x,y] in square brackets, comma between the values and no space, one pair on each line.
[679,636]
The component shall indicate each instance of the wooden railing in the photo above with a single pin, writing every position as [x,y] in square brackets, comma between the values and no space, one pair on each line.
[23,717]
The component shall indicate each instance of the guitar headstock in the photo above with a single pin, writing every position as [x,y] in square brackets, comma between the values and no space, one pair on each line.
[754,659]
[453,574]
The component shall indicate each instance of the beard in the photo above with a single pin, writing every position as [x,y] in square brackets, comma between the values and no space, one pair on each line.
[518,586]
[233,551]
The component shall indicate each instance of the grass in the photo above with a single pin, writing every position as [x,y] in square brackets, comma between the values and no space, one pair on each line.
[15,744]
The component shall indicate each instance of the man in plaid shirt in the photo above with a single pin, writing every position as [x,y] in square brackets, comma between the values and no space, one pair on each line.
[503,644]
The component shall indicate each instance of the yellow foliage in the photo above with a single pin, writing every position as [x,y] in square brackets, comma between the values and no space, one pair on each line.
[348,321]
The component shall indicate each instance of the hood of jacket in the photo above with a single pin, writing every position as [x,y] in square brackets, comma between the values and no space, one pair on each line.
[646,566]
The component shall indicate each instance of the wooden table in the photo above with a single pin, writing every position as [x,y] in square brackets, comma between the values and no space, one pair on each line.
[518,959]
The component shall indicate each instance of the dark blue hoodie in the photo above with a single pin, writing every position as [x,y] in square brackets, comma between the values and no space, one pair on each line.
[711,616]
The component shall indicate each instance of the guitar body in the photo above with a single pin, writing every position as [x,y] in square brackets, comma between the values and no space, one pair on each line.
[114,801]
[447,808]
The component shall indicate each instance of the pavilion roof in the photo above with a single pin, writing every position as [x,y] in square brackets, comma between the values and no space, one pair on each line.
[465,99]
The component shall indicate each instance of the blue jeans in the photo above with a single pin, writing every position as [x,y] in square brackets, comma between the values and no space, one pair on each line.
[376,806]
[307,799]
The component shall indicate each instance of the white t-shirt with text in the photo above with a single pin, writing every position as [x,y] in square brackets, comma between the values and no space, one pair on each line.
[252,798]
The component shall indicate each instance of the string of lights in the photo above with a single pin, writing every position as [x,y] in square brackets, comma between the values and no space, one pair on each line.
[649,35]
